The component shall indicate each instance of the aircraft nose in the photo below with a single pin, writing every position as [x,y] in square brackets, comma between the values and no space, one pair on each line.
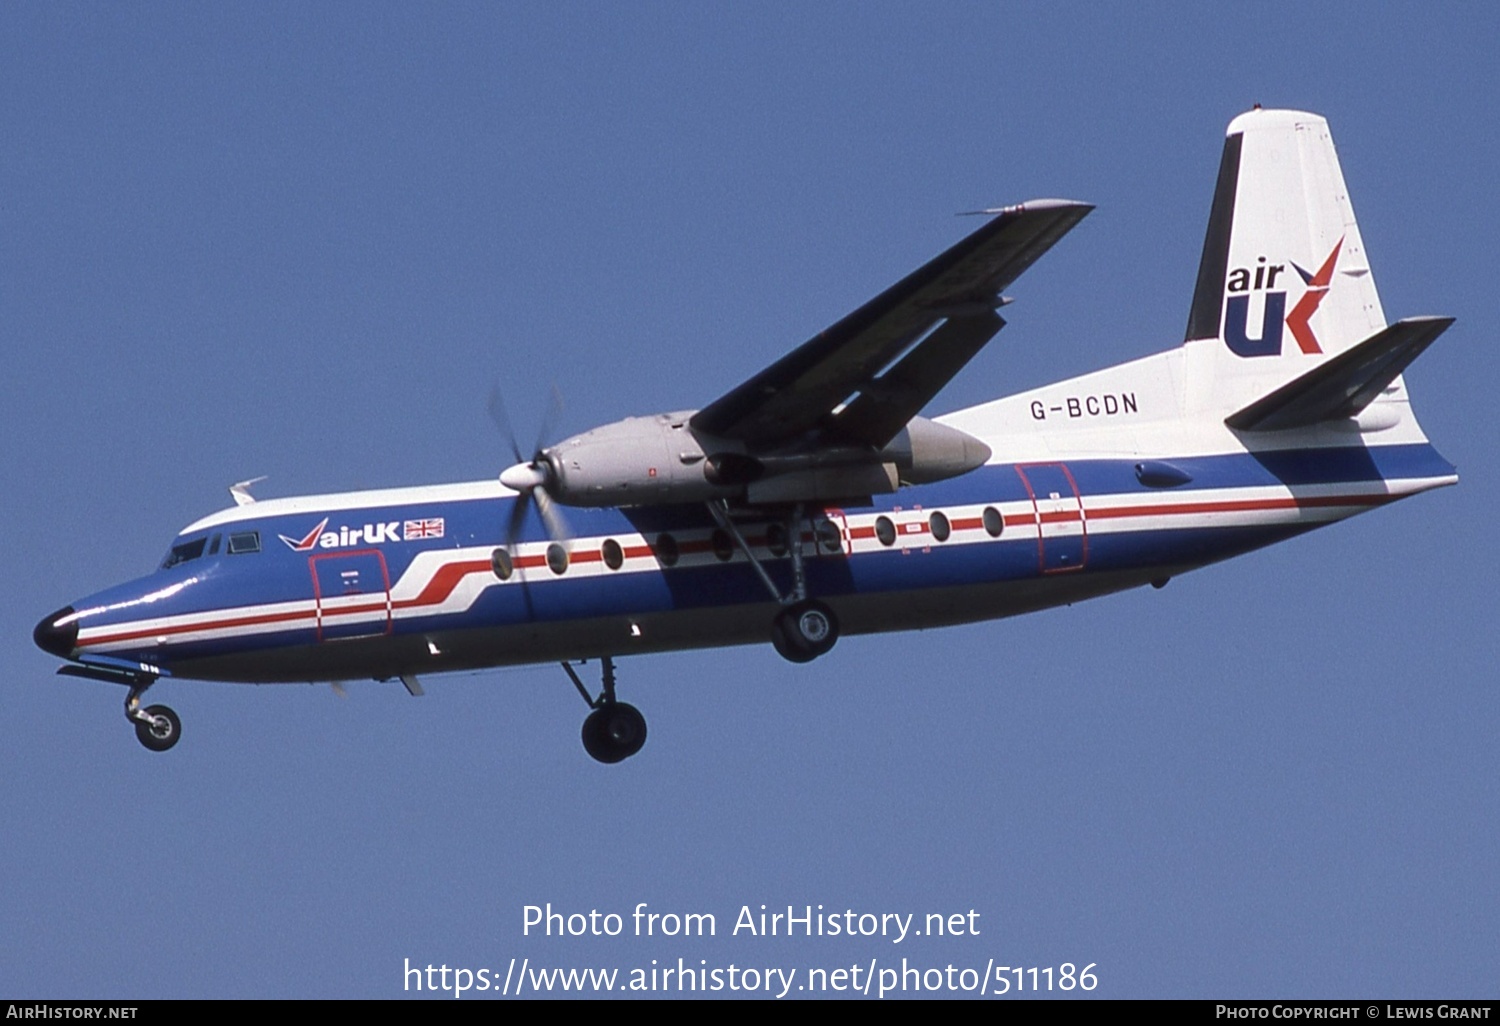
[57,633]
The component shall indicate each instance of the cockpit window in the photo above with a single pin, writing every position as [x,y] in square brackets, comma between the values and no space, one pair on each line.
[244,541]
[183,552]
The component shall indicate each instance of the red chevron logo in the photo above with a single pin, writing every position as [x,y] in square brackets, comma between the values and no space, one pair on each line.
[1317,288]
[306,542]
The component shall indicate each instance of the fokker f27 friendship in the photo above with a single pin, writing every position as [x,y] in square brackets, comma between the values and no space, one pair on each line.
[813,501]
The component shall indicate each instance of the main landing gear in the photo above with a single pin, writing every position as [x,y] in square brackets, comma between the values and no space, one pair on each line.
[615,730]
[805,628]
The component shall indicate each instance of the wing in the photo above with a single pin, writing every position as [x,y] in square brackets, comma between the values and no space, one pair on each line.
[956,292]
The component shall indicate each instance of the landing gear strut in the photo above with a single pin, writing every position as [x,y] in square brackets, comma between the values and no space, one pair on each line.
[615,730]
[156,726]
[805,628]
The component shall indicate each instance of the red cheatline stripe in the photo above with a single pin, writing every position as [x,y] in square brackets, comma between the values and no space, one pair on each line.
[445,580]
[1236,506]
[240,621]
[329,614]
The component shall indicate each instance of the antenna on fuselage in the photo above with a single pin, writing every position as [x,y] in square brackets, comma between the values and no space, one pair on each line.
[241,490]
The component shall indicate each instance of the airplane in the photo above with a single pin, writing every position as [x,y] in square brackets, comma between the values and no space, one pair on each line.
[812,501]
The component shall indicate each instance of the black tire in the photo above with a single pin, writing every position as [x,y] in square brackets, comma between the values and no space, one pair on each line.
[785,645]
[614,732]
[804,631]
[164,730]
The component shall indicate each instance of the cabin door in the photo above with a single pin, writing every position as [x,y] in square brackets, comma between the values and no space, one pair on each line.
[353,594]
[1062,540]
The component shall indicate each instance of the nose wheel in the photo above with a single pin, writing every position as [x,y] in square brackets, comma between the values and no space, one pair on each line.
[156,726]
[159,728]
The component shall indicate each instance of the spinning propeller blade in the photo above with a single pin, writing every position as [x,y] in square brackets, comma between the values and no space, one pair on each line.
[531,478]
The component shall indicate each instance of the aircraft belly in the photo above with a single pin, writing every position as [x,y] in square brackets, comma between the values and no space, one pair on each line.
[620,636]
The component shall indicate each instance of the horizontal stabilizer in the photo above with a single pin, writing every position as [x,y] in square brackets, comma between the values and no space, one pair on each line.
[1346,384]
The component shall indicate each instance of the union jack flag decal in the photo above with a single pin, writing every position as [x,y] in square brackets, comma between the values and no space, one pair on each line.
[431,528]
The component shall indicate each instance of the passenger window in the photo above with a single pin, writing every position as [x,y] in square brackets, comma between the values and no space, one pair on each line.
[885,530]
[776,540]
[723,546]
[994,523]
[502,564]
[939,526]
[614,556]
[244,541]
[666,550]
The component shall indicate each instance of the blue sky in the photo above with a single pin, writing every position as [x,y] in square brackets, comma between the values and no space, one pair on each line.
[302,241]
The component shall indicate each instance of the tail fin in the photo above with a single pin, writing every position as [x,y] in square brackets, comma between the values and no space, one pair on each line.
[1284,282]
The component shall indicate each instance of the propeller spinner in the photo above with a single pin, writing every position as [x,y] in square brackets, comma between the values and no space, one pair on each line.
[532,478]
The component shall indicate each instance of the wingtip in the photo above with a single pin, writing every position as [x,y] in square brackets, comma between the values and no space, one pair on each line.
[1054,204]
[1032,206]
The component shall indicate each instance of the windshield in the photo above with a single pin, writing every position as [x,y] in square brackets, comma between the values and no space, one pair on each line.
[184,551]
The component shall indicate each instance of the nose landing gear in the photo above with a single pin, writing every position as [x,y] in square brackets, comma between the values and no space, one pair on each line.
[157,727]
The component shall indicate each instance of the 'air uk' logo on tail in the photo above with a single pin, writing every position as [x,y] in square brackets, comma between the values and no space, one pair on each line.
[1243,281]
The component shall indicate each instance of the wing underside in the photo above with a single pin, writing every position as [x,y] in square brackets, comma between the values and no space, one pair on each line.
[919,332]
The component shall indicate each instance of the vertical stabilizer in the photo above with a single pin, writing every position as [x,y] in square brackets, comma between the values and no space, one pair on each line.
[1284,282]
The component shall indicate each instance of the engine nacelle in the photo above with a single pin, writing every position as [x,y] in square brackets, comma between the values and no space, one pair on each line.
[661,459]
[634,462]
[926,451]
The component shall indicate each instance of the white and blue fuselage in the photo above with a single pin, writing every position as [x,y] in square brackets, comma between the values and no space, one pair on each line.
[404,581]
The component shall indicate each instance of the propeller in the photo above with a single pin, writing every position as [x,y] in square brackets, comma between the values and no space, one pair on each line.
[532,478]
